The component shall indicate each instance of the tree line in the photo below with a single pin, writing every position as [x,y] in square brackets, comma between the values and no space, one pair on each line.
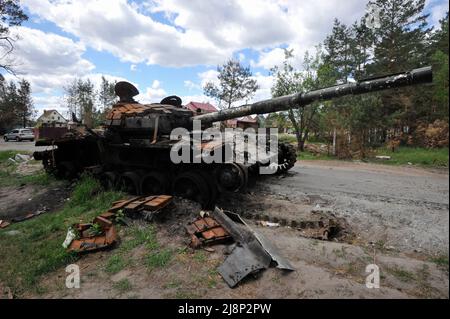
[393,36]
[87,103]
[16,103]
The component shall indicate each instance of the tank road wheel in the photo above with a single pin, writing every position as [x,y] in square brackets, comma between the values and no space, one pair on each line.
[212,185]
[154,183]
[287,157]
[232,177]
[129,182]
[192,185]
[108,180]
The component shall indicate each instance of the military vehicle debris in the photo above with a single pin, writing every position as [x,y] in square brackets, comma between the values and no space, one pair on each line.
[99,234]
[132,152]
[206,231]
[252,252]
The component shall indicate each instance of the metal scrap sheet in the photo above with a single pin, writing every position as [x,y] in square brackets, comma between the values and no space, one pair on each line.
[252,253]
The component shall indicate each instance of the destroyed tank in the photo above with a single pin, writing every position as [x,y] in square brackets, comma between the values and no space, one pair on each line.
[133,150]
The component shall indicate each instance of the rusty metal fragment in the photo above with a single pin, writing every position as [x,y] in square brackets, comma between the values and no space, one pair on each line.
[206,231]
[4,224]
[144,207]
[89,241]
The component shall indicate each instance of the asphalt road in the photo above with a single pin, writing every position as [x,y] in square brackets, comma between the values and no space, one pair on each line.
[404,207]
[19,146]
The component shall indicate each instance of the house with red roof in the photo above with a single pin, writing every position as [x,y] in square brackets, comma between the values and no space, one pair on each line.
[200,108]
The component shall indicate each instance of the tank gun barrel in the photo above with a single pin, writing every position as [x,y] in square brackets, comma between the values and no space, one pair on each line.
[283,103]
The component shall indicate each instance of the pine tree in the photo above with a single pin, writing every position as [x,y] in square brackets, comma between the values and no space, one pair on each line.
[400,43]
[24,108]
[235,84]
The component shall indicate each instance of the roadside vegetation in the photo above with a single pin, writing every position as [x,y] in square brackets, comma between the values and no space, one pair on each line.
[437,157]
[9,175]
[33,248]
[416,156]
[403,155]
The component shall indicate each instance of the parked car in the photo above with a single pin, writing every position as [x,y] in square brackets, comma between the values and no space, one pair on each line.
[20,134]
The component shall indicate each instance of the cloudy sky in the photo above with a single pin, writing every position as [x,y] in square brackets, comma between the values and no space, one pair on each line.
[170,47]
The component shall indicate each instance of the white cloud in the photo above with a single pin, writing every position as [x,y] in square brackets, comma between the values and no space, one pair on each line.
[438,9]
[133,67]
[199,32]
[269,59]
[48,60]
[265,83]
[119,28]
[208,76]
[191,85]
[152,94]
[198,98]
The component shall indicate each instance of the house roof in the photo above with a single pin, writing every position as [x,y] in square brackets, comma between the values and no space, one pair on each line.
[248,119]
[207,107]
[49,112]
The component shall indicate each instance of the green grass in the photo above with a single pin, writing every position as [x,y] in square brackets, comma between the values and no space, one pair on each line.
[402,156]
[5,155]
[123,285]
[10,177]
[159,258]
[138,236]
[415,156]
[287,138]
[36,250]
[401,274]
[305,155]
[441,261]
[115,264]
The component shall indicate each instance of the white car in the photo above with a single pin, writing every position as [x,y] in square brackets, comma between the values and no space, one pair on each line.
[18,135]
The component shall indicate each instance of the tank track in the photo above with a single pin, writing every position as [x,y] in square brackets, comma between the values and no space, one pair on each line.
[287,156]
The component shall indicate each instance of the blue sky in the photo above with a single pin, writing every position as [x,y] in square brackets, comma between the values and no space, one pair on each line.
[170,47]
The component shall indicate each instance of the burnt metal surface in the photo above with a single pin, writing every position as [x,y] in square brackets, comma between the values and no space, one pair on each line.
[91,242]
[245,259]
[282,262]
[51,133]
[252,253]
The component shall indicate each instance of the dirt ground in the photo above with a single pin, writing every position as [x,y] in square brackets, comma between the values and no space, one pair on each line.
[395,217]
